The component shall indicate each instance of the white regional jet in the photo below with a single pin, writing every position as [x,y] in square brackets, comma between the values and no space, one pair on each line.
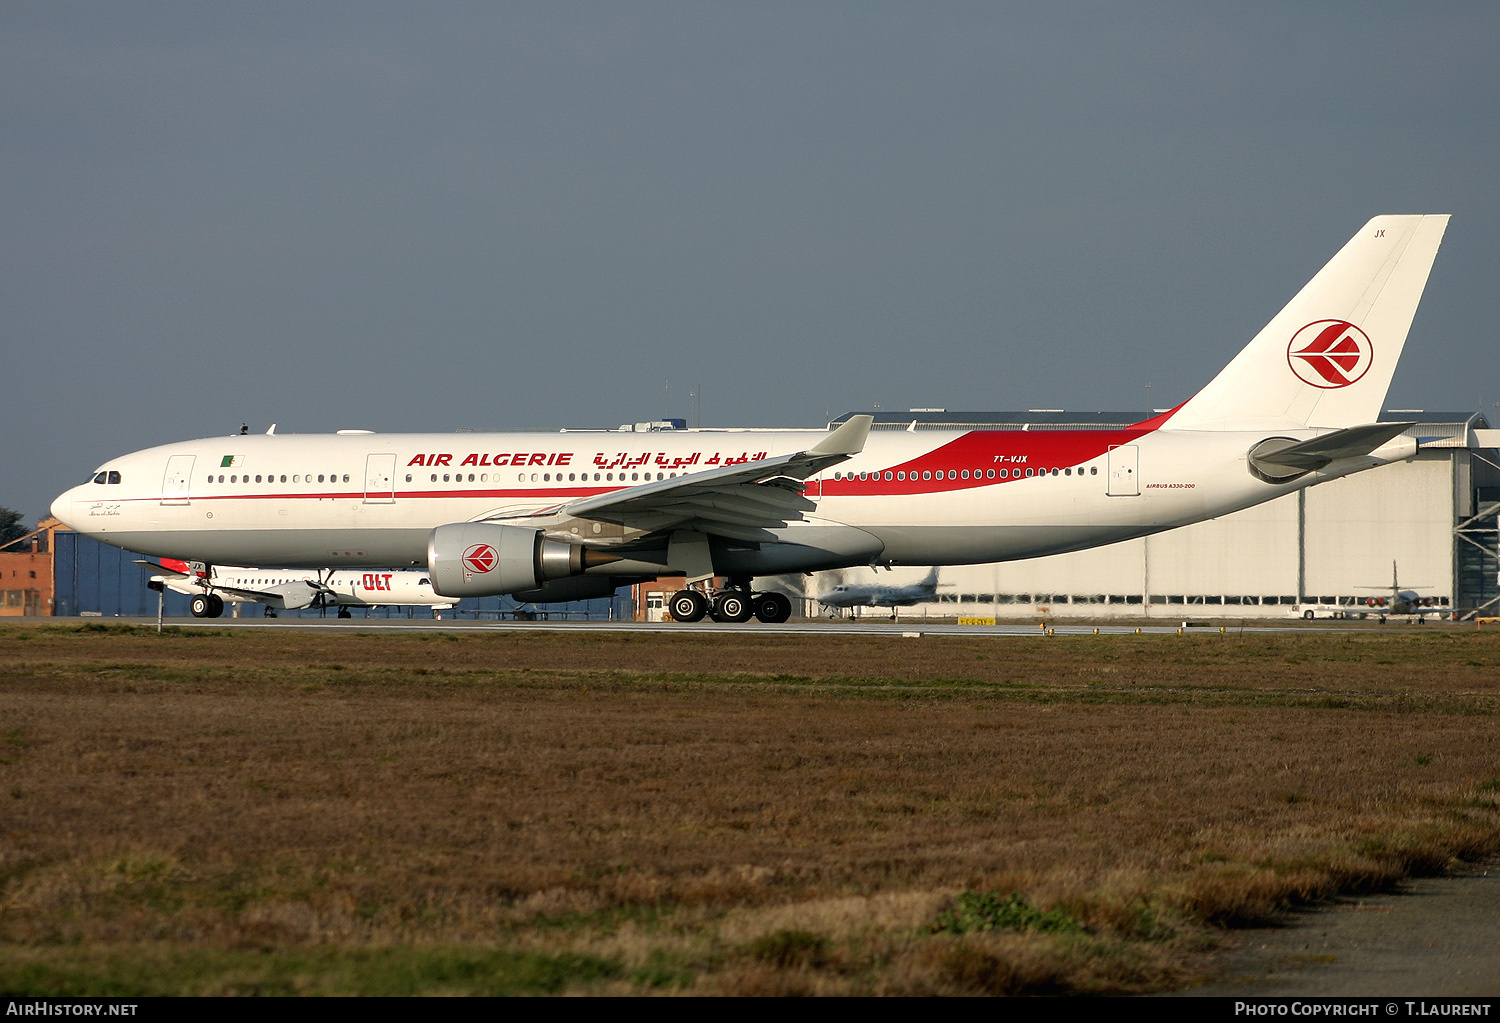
[211,587]
[570,515]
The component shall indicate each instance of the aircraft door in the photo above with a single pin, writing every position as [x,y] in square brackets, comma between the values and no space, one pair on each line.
[1124,475]
[175,484]
[380,479]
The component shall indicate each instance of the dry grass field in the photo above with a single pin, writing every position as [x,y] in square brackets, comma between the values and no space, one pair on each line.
[523,812]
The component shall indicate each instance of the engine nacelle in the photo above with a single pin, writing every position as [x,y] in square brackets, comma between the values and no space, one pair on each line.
[483,559]
[582,587]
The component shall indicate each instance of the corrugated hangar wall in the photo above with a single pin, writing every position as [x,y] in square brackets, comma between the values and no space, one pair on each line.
[1334,542]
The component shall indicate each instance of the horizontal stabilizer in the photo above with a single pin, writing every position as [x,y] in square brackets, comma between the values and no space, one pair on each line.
[162,570]
[1310,455]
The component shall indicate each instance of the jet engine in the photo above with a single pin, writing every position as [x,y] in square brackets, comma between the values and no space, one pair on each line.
[482,559]
[583,587]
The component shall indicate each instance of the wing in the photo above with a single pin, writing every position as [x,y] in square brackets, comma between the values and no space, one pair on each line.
[284,596]
[739,501]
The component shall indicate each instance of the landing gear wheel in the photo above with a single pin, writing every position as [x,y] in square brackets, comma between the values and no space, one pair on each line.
[215,605]
[199,605]
[344,613]
[731,606]
[688,606]
[772,608]
[270,613]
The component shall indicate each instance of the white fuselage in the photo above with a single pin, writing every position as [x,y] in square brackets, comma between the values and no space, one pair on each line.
[908,498]
[371,588]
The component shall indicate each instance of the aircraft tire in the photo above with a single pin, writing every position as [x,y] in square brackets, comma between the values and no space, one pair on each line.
[215,605]
[199,605]
[688,606]
[731,606]
[772,608]
[1307,615]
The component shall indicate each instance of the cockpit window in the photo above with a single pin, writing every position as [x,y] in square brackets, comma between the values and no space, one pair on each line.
[101,477]
[114,476]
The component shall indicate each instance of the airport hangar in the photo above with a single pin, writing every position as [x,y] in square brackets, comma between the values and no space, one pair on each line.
[1331,546]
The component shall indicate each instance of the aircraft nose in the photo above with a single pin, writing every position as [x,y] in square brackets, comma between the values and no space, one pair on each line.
[62,507]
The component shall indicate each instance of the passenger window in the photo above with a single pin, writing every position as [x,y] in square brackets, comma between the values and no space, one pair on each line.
[295,479]
[901,475]
[234,479]
[1093,470]
[346,477]
[445,477]
[257,478]
[210,479]
[966,474]
[1030,473]
[991,473]
[572,476]
[1067,472]
[520,477]
[471,477]
[484,477]
[1054,472]
[862,477]
[927,475]
[635,476]
[546,477]
[283,479]
[434,477]
[408,477]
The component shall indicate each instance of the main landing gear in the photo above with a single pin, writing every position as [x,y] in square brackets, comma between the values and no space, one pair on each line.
[735,604]
[206,605]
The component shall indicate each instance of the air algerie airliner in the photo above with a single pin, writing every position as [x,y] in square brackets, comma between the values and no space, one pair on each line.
[563,516]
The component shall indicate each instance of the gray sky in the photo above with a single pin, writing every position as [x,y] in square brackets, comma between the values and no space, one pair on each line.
[525,216]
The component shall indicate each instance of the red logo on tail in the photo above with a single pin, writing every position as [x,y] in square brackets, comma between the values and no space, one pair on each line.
[480,558]
[1330,353]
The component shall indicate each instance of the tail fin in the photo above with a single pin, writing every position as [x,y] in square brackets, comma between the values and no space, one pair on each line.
[1326,359]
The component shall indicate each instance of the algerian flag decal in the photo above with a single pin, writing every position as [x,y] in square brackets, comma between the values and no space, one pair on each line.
[232,461]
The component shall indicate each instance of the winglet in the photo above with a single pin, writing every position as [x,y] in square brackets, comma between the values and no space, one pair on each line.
[848,439]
